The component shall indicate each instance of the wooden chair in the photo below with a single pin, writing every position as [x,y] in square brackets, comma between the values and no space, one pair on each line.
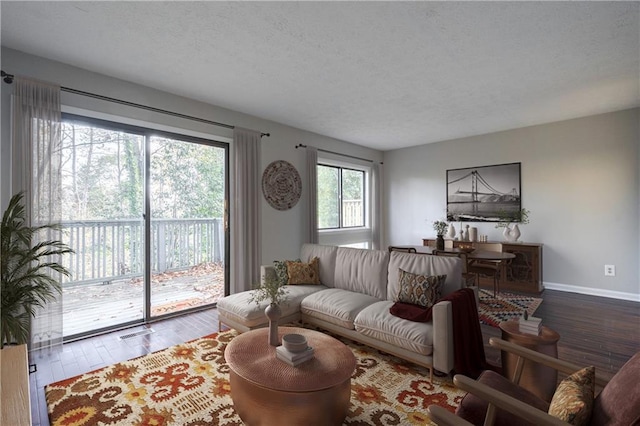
[487,268]
[402,249]
[493,399]
[469,278]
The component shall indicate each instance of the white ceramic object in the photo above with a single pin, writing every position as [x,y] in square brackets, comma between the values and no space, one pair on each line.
[294,342]
[273,312]
[451,233]
[511,234]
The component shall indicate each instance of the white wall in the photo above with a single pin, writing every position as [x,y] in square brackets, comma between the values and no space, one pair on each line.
[580,181]
[283,231]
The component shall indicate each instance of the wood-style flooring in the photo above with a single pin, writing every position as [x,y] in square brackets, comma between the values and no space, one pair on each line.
[593,331]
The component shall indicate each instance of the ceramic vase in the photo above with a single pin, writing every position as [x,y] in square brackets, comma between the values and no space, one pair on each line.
[440,242]
[451,233]
[473,234]
[273,312]
[511,234]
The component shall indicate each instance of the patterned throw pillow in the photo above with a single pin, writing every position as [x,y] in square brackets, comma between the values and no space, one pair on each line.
[280,267]
[573,400]
[420,290]
[304,273]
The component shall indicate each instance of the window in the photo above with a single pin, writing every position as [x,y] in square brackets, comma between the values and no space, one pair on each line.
[343,212]
[340,197]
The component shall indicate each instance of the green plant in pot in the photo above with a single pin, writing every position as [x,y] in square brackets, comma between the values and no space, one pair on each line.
[272,290]
[26,271]
[440,226]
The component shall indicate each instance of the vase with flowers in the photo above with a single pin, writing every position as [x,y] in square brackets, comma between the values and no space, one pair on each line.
[272,290]
[440,227]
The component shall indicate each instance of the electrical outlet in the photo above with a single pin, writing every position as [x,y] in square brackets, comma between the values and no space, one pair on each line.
[609,270]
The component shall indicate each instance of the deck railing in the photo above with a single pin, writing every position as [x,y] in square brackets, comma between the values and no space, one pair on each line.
[114,249]
[353,213]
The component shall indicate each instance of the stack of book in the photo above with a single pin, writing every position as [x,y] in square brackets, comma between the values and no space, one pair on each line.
[294,358]
[530,325]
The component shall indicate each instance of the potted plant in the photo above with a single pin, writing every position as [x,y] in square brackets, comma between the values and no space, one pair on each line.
[511,234]
[271,289]
[25,271]
[440,227]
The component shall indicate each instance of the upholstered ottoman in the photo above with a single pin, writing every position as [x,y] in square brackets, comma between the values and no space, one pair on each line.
[240,313]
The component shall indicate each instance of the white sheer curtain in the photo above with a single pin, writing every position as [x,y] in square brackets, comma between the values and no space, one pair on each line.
[36,164]
[246,210]
[377,198]
[312,195]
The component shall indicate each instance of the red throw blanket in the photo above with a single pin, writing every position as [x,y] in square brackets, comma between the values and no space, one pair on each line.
[469,357]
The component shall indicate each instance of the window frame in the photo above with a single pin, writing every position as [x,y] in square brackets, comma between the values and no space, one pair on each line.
[351,235]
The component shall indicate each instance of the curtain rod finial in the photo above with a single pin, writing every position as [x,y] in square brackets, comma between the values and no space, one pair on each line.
[7,78]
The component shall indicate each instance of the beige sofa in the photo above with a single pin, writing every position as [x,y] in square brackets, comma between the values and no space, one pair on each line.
[358,288]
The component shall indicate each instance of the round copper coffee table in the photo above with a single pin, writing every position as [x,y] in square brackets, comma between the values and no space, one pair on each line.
[267,391]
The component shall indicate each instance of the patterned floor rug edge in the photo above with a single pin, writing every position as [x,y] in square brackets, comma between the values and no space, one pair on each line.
[493,310]
[187,384]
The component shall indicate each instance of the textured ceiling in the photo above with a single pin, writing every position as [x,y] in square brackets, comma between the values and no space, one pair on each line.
[379,74]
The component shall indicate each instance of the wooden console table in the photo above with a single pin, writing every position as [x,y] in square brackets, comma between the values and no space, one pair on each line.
[522,274]
[14,386]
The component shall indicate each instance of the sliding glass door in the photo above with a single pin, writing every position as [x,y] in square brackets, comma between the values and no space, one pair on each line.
[144,213]
[187,189]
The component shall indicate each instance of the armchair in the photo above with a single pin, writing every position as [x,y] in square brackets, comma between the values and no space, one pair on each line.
[493,399]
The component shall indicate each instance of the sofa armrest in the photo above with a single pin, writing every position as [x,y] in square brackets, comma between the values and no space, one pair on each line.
[267,271]
[443,337]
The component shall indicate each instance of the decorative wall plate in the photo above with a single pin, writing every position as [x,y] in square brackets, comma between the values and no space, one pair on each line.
[281,185]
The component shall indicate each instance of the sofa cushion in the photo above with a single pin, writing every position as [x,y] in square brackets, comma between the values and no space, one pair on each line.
[303,273]
[619,402]
[420,290]
[336,306]
[280,267]
[362,271]
[327,260]
[423,264]
[376,321]
[241,309]
[573,399]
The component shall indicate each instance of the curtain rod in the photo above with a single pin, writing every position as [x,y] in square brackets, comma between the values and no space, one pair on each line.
[8,78]
[337,153]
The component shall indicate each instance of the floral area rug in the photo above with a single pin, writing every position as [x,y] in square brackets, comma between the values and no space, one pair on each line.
[188,384]
[506,306]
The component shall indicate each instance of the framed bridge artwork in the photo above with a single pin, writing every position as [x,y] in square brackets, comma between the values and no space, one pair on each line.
[484,193]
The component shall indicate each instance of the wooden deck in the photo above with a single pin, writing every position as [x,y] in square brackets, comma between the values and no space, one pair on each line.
[97,306]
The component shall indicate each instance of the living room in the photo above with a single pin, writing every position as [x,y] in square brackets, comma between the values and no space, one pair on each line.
[580,174]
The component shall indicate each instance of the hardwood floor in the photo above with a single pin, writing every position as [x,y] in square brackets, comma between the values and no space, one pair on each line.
[593,331]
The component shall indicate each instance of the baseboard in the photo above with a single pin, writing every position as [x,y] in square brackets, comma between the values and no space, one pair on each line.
[593,291]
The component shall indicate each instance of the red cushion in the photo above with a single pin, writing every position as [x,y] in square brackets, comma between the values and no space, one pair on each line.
[474,409]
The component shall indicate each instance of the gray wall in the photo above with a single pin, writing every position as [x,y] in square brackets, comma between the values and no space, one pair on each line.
[283,231]
[579,180]
[579,177]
